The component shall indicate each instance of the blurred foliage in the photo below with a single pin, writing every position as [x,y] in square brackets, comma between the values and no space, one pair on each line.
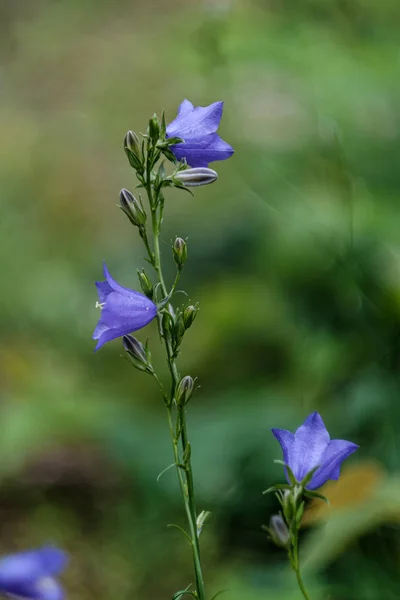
[294,259]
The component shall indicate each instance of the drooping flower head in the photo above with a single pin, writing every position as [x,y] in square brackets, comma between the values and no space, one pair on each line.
[123,311]
[197,126]
[309,447]
[31,574]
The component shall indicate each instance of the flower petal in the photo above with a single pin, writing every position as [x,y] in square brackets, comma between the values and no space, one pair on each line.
[311,440]
[103,289]
[21,567]
[20,573]
[286,440]
[201,152]
[196,123]
[115,285]
[335,453]
[133,312]
[185,108]
[48,588]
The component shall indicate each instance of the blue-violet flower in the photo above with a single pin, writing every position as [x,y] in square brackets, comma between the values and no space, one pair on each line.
[31,574]
[309,447]
[197,126]
[123,311]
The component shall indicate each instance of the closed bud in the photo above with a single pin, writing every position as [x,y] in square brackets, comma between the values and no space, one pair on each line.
[133,151]
[179,250]
[184,391]
[138,354]
[196,176]
[132,208]
[279,531]
[145,284]
[132,143]
[154,128]
[189,315]
[179,329]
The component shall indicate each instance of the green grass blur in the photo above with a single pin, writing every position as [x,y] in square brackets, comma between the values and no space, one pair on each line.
[294,259]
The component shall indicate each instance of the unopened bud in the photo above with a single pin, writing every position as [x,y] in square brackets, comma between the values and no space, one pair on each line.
[179,329]
[132,143]
[132,208]
[145,284]
[138,354]
[196,176]
[179,250]
[189,315]
[133,150]
[184,391]
[279,531]
[154,128]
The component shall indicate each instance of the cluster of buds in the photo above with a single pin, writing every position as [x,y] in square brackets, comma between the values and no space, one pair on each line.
[181,322]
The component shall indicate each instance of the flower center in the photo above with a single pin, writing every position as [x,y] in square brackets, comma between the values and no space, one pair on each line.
[99,304]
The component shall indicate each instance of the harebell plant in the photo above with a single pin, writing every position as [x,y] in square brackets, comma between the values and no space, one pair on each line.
[310,459]
[190,139]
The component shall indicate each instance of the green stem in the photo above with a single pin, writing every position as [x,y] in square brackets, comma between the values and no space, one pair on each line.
[294,559]
[185,478]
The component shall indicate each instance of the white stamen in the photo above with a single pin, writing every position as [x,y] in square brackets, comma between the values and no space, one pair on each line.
[99,305]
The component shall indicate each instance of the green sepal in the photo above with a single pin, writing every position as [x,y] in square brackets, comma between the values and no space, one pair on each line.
[276,487]
[172,141]
[169,154]
[292,478]
[178,184]
[311,495]
[309,476]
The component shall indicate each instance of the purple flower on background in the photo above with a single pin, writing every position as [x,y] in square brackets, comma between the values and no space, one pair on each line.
[309,447]
[31,574]
[197,126]
[123,311]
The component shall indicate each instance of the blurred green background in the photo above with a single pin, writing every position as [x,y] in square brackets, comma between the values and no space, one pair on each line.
[294,258]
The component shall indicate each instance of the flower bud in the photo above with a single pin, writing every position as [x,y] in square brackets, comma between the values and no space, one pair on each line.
[138,354]
[145,284]
[154,128]
[184,391]
[279,531]
[189,315]
[132,208]
[179,251]
[196,176]
[179,330]
[133,150]
[132,143]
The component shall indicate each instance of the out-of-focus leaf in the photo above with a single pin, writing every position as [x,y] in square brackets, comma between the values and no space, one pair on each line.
[347,524]
[356,485]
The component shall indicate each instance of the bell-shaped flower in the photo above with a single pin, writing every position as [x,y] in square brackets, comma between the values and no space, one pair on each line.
[310,447]
[197,126]
[31,574]
[123,311]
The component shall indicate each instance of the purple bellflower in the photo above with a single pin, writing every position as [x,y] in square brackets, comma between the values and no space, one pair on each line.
[123,311]
[309,447]
[31,574]
[197,126]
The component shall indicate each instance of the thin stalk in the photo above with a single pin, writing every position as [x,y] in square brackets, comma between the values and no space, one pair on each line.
[294,559]
[185,477]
